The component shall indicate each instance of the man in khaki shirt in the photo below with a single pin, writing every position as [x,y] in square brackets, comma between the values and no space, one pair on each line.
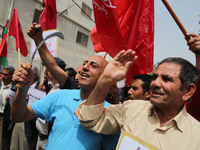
[163,122]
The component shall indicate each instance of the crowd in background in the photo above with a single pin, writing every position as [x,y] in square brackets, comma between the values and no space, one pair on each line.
[32,124]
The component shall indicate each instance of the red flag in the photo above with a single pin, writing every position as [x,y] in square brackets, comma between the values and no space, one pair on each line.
[48,17]
[3,44]
[3,47]
[193,105]
[125,24]
[16,31]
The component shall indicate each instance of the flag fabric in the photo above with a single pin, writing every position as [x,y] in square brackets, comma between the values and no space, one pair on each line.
[15,30]
[3,61]
[125,24]
[193,105]
[48,16]
[3,46]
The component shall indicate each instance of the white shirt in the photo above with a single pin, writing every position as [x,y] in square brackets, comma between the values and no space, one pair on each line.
[3,92]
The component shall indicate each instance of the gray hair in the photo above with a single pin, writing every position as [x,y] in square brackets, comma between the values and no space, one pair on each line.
[188,73]
[10,68]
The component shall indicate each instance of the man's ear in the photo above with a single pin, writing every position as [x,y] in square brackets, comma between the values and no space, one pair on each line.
[147,95]
[189,91]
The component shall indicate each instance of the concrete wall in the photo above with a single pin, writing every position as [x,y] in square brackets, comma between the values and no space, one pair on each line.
[69,24]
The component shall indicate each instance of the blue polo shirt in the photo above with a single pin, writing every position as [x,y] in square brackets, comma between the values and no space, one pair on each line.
[67,133]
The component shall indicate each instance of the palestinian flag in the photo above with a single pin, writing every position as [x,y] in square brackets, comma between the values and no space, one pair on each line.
[3,46]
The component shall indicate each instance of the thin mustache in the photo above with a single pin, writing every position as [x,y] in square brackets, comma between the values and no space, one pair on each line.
[156,90]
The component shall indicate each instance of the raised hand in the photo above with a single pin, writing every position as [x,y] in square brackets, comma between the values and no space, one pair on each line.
[117,68]
[23,75]
[194,42]
[194,46]
[115,71]
[35,32]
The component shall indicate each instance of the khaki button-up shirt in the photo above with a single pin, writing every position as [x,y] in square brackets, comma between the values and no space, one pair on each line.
[139,118]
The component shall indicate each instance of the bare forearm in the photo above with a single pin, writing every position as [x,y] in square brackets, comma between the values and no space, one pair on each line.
[100,91]
[51,65]
[47,57]
[19,106]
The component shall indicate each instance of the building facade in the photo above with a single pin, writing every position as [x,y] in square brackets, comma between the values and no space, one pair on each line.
[71,21]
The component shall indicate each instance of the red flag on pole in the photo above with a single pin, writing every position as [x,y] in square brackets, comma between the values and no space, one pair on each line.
[3,44]
[16,31]
[125,24]
[48,17]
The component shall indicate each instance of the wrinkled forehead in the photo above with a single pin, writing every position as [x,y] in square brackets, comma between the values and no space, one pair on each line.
[98,60]
[7,71]
[168,68]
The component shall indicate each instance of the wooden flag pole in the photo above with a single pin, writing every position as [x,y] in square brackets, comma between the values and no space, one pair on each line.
[178,22]
[105,55]
[19,57]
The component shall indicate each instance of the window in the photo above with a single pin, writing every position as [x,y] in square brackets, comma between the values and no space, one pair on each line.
[86,10]
[82,38]
[36,16]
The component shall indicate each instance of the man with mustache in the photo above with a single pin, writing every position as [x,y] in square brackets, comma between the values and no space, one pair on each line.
[6,125]
[58,107]
[161,122]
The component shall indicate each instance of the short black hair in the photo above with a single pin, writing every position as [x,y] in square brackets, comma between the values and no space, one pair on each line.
[146,79]
[188,73]
[71,72]
[59,62]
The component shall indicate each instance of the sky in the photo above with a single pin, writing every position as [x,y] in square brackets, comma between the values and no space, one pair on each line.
[169,40]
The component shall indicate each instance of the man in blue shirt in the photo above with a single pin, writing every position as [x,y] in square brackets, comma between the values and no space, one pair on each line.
[58,107]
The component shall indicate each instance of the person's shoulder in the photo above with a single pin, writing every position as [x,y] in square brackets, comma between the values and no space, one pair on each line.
[137,102]
[137,105]
[194,126]
[194,122]
[66,91]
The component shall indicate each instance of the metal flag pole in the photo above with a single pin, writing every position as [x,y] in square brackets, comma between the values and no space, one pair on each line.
[83,11]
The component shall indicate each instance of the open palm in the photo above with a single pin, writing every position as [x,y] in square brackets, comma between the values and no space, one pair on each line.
[117,68]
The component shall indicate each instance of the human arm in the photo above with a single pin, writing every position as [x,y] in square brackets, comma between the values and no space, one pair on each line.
[194,46]
[115,71]
[35,32]
[20,111]
[92,113]
[193,105]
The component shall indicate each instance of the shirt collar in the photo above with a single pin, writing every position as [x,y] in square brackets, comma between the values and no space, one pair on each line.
[178,120]
[5,86]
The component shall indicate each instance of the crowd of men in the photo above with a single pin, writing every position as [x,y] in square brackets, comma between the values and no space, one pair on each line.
[155,107]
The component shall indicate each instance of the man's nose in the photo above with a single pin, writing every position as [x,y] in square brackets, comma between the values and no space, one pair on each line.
[86,66]
[157,82]
[129,92]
